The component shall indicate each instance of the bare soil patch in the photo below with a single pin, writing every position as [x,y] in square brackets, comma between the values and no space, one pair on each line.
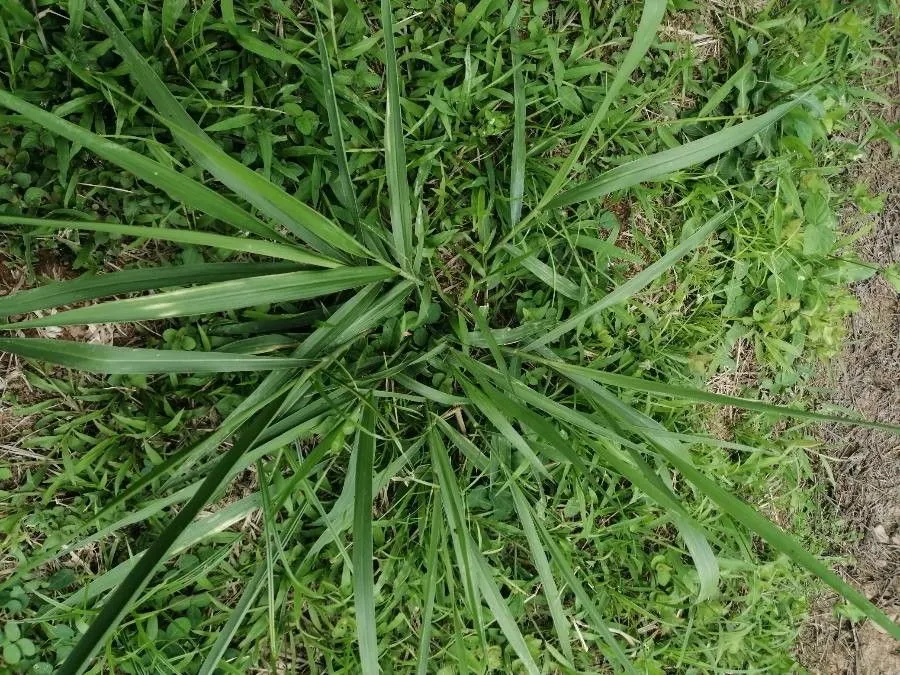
[865,475]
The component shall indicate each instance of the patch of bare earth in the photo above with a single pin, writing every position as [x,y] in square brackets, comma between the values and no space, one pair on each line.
[865,475]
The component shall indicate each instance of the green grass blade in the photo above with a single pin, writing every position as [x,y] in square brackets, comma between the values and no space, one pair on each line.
[651,17]
[217,651]
[633,285]
[340,517]
[778,539]
[435,537]
[472,18]
[517,171]
[254,586]
[584,598]
[504,618]
[304,221]
[366,310]
[109,360]
[546,274]
[699,396]
[666,162]
[468,449]
[455,512]
[542,565]
[509,409]
[507,336]
[344,189]
[76,16]
[208,525]
[631,465]
[78,538]
[722,92]
[268,534]
[116,606]
[394,152]
[485,330]
[90,286]
[487,405]
[705,561]
[475,566]
[363,576]
[218,297]
[173,182]
[427,392]
[539,539]
[198,531]
[254,246]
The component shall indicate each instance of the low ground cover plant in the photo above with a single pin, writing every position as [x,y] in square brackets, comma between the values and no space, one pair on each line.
[419,336]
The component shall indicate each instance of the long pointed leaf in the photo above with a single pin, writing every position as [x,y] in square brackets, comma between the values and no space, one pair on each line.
[535,532]
[651,17]
[218,297]
[551,591]
[175,183]
[115,608]
[110,360]
[663,163]
[435,536]
[633,285]
[545,273]
[585,598]
[91,286]
[394,152]
[345,191]
[254,246]
[779,540]
[217,651]
[517,170]
[195,532]
[488,408]
[631,465]
[700,396]
[304,221]
[479,569]
[363,579]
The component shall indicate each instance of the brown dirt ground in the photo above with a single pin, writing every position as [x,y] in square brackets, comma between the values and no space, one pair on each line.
[865,473]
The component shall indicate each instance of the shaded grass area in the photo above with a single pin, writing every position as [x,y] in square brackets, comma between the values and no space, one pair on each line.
[771,282]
